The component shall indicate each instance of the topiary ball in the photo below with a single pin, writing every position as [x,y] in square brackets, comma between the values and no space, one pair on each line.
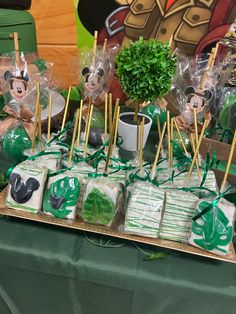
[145,69]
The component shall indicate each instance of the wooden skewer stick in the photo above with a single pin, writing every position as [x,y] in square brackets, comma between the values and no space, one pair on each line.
[228,163]
[95,47]
[141,146]
[39,124]
[104,46]
[74,135]
[136,112]
[159,133]
[16,47]
[35,118]
[215,54]
[171,138]
[116,126]
[112,133]
[88,131]
[110,113]
[204,76]
[196,136]
[79,125]
[158,151]
[49,117]
[168,137]
[171,40]
[66,109]
[137,138]
[194,150]
[180,137]
[105,117]
[197,149]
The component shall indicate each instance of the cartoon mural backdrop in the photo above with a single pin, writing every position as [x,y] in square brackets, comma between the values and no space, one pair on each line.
[196,24]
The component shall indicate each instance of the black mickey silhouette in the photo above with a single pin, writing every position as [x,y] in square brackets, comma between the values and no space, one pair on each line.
[22,192]
[56,202]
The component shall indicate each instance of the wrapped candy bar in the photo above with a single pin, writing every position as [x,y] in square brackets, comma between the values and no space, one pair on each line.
[61,195]
[26,186]
[213,230]
[100,201]
[177,219]
[52,161]
[144,210]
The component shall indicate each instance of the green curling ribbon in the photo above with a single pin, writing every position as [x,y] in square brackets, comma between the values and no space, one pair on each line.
[43,153]
[56,137]
[209,164]
[211,205]
[41,65]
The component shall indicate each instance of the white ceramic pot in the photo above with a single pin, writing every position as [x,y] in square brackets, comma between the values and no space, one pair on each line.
[128,132]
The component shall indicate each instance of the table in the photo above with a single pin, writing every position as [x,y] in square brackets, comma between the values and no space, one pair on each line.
[47,269]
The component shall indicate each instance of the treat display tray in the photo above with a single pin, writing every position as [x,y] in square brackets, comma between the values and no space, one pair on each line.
[181,247]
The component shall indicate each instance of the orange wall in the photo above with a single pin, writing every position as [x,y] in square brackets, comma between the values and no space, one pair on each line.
[56,36]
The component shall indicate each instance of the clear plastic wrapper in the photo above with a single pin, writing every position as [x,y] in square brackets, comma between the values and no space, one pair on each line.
[19,87]
[177,218]
[103,200]
[227,108]
[26,187]
[144,210]
[50,160]
[194,88]
[61,195]
[213,231]
[97,72]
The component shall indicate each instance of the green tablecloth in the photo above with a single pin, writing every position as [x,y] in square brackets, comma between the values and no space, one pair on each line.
[49,270]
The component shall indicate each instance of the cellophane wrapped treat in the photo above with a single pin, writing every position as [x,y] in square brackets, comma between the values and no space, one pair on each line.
[177,218]
[50,160]
[61,195]
[213,230]
[101,201]
[26,187]
[144,210]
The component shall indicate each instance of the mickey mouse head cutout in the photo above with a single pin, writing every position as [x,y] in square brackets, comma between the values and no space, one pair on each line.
[94,80]
[18,84]
[197,100]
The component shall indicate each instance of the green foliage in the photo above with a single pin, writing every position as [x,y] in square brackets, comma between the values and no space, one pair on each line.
[145,69]
[68,189]
[98,208]
[3,181]
[213,227]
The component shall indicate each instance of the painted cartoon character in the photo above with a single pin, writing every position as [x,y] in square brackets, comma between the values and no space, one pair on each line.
[94,80]
[18,84]
[196,24]
[197,100]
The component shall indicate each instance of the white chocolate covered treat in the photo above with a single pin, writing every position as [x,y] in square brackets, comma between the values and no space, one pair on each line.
[113,171]
[61,195]
[144,210]
[50,161]
[100,201]
[26,186]
[177,218]
[213,231]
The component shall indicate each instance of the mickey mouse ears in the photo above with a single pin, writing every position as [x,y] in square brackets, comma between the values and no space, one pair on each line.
[190,90]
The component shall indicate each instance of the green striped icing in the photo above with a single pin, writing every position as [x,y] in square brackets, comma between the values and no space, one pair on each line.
[144,210]
[179,210]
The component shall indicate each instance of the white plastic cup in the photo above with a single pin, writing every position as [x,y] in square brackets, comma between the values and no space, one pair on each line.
[128,132]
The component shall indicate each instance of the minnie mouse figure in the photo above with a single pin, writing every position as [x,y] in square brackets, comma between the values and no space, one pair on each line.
[18,84]
[197,100]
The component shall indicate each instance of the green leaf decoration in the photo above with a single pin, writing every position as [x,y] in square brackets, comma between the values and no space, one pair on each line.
[98,208]
[213,227]
[68,189]
[145,69]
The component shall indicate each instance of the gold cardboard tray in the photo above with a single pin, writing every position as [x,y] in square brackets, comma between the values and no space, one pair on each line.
[181,247]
